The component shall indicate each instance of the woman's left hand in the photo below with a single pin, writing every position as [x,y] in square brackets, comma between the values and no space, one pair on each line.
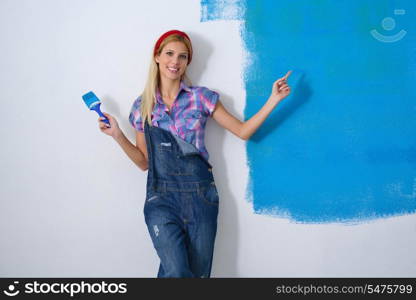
[280,88]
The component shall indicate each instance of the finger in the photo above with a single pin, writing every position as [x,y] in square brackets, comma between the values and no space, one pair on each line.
[101,119]
[284,78]
[287,74]
[104,129]
[103,124]
[281,82]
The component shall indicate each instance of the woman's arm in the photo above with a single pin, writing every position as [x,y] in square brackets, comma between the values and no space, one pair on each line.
[245,130]
[138,153]
[133,152]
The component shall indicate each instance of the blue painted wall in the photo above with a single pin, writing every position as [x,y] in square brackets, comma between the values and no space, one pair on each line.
[342,146]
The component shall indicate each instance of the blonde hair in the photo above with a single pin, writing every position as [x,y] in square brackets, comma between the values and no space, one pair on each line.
[148,97]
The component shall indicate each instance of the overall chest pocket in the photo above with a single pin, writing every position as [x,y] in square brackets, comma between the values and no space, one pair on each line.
[194,120]
[170,161]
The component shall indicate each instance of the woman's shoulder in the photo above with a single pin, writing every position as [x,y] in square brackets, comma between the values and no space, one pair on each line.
[200,89]
[207,97]
[138,99]
[204,92]
[136,103]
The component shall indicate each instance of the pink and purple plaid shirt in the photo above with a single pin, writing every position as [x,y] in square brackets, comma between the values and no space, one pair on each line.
[188,115]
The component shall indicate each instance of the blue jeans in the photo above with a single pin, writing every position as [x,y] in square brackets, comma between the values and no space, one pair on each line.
[181,206]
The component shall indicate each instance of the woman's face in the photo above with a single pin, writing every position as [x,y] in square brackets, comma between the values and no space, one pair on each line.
[173,60]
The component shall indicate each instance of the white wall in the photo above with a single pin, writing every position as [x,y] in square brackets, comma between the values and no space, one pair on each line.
[70,200]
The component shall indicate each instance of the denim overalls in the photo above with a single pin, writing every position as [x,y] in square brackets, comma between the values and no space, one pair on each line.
[181,206]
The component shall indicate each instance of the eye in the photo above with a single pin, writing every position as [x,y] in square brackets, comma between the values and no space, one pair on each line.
[170,53]
[183,56]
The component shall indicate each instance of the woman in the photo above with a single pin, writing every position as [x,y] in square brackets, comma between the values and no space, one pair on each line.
[181,204]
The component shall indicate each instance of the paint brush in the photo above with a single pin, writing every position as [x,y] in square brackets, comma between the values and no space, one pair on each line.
[93,103]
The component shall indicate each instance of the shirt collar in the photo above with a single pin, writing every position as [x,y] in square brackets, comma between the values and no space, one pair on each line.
[183,86]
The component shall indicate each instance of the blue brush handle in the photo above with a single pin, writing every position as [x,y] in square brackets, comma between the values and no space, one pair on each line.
[98,110]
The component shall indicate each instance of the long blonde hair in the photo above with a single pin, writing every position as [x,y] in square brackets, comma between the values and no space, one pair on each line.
[148,97]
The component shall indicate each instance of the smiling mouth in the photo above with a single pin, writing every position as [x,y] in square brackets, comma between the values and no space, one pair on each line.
[173,70]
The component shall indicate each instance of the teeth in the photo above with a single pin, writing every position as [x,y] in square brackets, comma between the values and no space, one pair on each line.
[173,69]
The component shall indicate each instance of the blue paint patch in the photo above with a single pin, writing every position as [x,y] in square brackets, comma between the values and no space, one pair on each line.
[342,147]
[222,10]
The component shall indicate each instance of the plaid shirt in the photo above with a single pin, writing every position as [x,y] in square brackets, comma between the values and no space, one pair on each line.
[188,115]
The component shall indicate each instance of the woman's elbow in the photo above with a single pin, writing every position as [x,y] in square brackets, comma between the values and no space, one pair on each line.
[244,135]
[144,165]
[242,132]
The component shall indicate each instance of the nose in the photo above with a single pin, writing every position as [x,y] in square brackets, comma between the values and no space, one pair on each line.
[175,59]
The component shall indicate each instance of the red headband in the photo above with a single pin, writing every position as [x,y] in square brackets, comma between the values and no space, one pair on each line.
[165,35]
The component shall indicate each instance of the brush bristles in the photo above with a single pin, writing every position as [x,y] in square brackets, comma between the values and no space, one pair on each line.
[94,104]
[91,100]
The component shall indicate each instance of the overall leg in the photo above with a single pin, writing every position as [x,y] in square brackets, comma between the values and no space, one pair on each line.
[202,231]
[168,237]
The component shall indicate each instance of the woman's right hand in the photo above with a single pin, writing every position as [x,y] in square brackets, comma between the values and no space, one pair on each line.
[112,131]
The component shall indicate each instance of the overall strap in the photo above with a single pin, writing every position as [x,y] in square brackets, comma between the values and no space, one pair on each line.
[149,146]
